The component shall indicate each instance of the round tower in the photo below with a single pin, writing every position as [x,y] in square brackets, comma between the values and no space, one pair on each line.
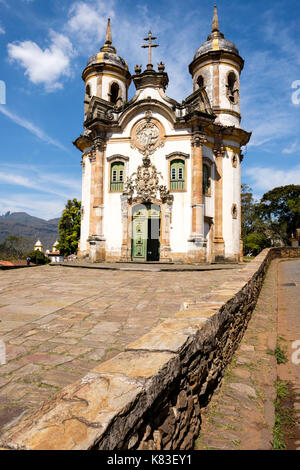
[217,66]
[38,246]
[106,75]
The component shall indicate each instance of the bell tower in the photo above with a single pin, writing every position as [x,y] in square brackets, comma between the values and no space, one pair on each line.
[217,66]
[106,75]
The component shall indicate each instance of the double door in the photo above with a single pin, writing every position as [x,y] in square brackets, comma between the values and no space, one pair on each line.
[146,232]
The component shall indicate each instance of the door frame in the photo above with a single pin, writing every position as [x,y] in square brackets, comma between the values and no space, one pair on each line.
[127,217]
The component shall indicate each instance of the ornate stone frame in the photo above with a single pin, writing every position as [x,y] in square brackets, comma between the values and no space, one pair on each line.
[148,119]
[177,156]
[112,159]
[165,221]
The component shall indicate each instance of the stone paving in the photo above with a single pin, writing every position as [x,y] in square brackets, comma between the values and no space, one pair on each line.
[241,413]
[57,323]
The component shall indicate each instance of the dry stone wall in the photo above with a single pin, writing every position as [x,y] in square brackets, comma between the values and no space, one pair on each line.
[151,395]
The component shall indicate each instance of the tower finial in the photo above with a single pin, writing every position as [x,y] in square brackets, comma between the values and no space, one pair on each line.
[108,47]
[215,23]
[108,39]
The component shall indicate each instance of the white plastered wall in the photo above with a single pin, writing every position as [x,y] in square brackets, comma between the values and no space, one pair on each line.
[231,195]
[85,198]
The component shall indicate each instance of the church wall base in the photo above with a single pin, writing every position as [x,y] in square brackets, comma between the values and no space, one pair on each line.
[97,250]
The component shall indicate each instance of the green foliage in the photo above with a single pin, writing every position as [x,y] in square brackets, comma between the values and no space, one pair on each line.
[69,228]
[14,247]
[284,416]
[256,242]
[253,228]
[280,210]
[37,257]
[270,221]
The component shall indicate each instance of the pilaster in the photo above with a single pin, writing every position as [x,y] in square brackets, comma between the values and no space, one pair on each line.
[219,248]
[197,240]
[96,238]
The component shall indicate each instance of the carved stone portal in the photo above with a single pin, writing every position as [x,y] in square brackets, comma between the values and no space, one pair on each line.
[144,185]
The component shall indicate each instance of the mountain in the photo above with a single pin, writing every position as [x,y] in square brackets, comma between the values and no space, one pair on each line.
[25,225]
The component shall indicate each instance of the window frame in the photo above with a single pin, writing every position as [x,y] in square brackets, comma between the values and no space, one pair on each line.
[209,164]
[113,160]
[180,156]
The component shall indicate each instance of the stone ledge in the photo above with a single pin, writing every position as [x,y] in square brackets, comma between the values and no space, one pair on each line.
[150,396]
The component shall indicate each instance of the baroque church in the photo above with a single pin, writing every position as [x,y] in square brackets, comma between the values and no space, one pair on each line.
[161,180]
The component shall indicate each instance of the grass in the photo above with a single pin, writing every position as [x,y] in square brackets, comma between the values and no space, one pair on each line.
[279,353]
[284,418]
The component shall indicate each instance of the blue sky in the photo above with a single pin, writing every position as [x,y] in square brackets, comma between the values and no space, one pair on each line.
[44,46]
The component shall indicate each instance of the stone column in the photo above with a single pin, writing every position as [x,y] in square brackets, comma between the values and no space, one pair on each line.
[219,152]
[125,251]
[197,239]
[241,156]
[165,249]
[96,238]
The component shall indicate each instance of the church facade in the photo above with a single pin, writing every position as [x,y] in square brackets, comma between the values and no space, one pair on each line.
[161,180]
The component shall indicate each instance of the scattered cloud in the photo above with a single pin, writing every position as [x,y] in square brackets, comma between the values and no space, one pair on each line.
[294,147]
[46,66]
[46,208]
[87,22]
[2,30]
[263,179]
[31,128]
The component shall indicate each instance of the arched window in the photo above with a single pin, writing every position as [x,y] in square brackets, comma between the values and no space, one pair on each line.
[117,176]
[88,91]
[114,93]
[206,178]
[177,175]
[232,90]
[200,81]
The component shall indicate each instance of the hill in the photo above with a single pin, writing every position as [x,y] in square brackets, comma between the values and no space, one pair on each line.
[25,225]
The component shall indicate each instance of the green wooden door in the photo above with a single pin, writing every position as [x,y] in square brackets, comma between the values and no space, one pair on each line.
[139,233]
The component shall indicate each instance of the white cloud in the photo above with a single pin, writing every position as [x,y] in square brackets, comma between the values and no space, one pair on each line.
[46,209]
[2,30]
[263,179]
[46,66]
[31,128]
[87,23]
[294,147]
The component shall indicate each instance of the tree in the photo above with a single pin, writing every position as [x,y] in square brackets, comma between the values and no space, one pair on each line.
[253,227]
[69,228]
[37,257]
[14,247]
[280,210]
[248,210]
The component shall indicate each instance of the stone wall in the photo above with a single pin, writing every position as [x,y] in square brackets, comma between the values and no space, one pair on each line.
[151,395]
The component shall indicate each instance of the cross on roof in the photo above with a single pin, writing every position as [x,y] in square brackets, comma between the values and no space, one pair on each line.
[150,45]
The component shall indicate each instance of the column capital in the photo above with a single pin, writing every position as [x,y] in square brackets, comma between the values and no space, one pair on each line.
[99,144]
[219,151]
[198,139]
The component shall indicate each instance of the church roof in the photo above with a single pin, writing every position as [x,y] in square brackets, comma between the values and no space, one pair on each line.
[108,53]
[216,40]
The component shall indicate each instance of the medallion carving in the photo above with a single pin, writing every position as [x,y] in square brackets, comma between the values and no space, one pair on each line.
[147,135]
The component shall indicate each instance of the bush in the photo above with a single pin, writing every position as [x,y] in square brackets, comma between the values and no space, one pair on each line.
[37,257]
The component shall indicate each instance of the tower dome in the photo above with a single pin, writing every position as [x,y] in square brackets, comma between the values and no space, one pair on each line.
[217,66]
[108,53]
[216,40]
[106,75]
